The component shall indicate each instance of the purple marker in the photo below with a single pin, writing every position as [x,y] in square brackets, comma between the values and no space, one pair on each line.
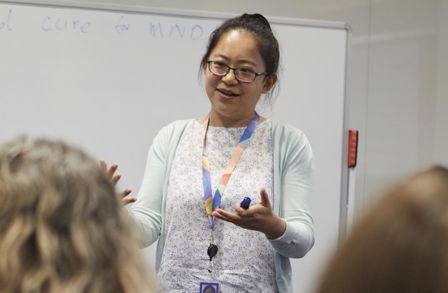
[245,203]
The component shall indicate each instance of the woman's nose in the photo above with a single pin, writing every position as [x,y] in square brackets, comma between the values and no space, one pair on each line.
[230,77]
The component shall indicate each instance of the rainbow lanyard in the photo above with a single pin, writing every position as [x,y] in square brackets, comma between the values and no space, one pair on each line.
[212,203]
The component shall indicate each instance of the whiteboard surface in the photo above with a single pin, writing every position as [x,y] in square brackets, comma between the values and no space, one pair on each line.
[109,80]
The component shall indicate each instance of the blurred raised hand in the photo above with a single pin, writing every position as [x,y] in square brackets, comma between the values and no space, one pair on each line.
[114,177]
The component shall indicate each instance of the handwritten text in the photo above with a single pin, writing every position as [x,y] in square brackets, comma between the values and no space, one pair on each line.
[174,30]
[6,24]
[60,24]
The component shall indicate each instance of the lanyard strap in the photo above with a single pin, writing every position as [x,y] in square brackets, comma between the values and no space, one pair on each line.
[212,203]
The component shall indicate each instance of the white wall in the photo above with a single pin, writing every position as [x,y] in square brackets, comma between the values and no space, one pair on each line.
[398,89]
[402,83]
[441,117]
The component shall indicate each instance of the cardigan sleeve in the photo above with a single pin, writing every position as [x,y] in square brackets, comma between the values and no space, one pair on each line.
[296,172]
[146,212]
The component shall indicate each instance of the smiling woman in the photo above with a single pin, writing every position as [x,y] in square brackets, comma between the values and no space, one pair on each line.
[228,155]
[233,100]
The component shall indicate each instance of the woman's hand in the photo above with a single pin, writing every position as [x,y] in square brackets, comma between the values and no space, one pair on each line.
[114,178]
[259,217]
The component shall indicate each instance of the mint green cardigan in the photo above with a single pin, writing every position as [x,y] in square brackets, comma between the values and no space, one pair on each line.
[293,164]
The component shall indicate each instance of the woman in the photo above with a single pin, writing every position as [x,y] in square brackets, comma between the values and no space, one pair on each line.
[199,170]
[62,224]
[400,244]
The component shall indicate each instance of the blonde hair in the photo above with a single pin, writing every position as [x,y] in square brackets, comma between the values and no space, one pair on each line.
[62,226]
[400,244]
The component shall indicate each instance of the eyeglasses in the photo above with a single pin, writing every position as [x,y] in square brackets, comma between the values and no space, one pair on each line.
[241,74]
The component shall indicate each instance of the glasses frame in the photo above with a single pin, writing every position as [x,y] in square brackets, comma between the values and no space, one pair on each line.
[235,70]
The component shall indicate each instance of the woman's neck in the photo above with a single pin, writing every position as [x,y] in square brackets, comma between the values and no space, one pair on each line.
[219,121]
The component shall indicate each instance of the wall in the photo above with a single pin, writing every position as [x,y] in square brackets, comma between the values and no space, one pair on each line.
[398,84]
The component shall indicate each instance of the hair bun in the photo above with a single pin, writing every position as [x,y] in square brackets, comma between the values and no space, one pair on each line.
[256,17]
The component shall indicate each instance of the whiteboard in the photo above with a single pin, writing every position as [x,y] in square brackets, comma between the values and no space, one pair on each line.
[109,79]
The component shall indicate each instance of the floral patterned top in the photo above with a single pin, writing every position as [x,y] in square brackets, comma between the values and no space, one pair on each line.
[245,259]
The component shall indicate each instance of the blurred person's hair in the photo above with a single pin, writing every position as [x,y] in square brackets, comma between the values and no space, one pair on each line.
[62,226]
[400,244]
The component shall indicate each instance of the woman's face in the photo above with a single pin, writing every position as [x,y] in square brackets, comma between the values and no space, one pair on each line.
[233,102]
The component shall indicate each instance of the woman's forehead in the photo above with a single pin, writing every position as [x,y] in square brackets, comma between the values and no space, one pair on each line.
[238,46]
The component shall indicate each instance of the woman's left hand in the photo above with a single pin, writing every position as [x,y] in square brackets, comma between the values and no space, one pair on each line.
[259,217]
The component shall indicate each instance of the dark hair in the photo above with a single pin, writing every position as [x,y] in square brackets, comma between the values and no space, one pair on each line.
[400,244]
[259,26]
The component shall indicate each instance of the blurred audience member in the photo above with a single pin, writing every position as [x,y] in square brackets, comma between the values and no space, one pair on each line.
[401,243]
[62,226]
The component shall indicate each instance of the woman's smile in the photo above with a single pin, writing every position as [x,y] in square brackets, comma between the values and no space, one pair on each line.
[227,94]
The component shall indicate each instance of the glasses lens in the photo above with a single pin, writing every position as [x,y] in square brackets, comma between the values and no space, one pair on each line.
[245,75]
[218,68]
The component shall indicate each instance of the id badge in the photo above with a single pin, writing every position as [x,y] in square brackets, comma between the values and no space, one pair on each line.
[209,287]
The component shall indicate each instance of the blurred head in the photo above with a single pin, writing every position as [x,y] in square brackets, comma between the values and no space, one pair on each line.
[247,46]
[62,227]
[400,245]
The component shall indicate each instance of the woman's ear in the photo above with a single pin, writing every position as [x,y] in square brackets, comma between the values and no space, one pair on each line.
[269,82]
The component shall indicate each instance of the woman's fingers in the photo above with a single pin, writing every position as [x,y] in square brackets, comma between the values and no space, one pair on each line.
[225,215]
[245,213]
[265,198]
[115,179]
[128,199]
[103,166]
[111,172]
[126,192]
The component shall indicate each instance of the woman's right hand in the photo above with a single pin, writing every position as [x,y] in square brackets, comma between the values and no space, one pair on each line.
[114,178]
